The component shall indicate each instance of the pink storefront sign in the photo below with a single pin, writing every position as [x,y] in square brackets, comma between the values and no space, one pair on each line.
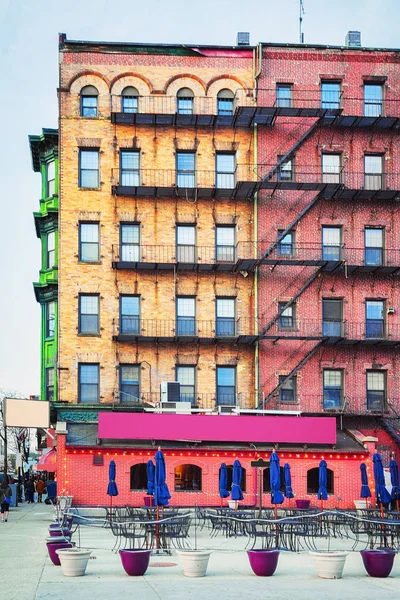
[206,428]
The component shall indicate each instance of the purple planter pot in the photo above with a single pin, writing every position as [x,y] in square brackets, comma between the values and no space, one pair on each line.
[263,562]
[303,503]
[135,562]
[58,532]
[378,563]
[148,500]
[53,546]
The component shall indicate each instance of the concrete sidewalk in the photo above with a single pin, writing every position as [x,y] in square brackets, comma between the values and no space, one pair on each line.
[27,573]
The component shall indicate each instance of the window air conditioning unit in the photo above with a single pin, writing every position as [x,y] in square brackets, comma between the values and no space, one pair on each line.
[180,408]
[170,391]
[228,410]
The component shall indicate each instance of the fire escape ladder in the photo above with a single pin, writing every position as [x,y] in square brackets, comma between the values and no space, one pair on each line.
[291,301]
[293,372]
[290,153]
[280,237]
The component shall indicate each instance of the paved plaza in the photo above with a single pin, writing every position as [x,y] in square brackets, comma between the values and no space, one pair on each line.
[27,573]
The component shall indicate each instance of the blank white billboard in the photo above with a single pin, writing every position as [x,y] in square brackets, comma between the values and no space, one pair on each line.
[26,413]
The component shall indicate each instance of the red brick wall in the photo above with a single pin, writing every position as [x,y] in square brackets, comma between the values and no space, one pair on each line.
[88,484]
[305,69]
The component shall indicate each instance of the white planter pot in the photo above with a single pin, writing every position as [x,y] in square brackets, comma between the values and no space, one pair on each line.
[73,561]
[194,562]
[360,504]
[233,504]
[330,564]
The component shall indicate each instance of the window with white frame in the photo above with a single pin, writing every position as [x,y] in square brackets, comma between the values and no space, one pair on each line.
[89,101]
[51,250]
[130,168]
[376,390]
[89,314]
[50,178]
[130,242]
[130,100]
[186,376]
[225,311]
[89,246]
[89,169]
[50,319]
[88,383]
[225,243]
[186,244]
[185,315]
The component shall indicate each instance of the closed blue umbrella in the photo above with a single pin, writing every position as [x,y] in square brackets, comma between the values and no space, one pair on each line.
[394,478]
[223,481]
[382,495]
[322,481]
[236,493]
[365,491]
[275,479]
[112,489]
[288,481]
[150,471]
[161,491]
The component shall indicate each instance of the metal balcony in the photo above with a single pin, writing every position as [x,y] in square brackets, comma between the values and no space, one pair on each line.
[202,111]
[240,184]
[346,405]
[186,330]
[335,109]
[338,183]
[241,257]
[371,333]
[333,258]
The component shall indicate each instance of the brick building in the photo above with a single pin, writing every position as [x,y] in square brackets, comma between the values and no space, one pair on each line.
[208,198]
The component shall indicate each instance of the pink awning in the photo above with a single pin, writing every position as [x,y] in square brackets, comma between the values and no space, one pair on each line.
[47,462]
[219,428]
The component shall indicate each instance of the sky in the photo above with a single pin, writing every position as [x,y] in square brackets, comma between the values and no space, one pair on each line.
[28,99]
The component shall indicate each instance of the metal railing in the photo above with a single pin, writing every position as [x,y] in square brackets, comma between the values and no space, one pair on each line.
[350,104]
[312,252]
[167,105]
[171,178]
[299,174]
[184,327]
[184,253]
[326,404]
[285,327]
[199,400]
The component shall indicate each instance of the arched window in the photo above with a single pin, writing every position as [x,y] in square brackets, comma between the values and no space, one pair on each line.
[187,478]
[89,95]
[313,481]
[229,485]
[139,477]
[130,100]
[225,102]
[185,101]
[266,480]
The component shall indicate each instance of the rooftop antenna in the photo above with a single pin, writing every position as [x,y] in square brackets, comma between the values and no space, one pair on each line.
[301,13]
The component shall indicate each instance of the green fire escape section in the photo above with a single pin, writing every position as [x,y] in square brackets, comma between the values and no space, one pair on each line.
[44,151]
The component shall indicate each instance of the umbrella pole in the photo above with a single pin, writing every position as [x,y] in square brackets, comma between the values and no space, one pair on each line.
[366,502]
[157,517]
[397,505]
[110,508]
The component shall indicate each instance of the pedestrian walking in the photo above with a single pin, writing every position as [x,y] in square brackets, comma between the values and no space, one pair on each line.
[40,487]
[5,499]
[30,490]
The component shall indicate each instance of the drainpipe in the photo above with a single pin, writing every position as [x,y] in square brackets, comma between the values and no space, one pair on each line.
[255,236]
[257,62]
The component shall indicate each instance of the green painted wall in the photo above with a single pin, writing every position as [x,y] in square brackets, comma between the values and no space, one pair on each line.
[44,150]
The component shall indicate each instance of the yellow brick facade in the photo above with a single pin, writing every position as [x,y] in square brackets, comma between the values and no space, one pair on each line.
[157,217]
